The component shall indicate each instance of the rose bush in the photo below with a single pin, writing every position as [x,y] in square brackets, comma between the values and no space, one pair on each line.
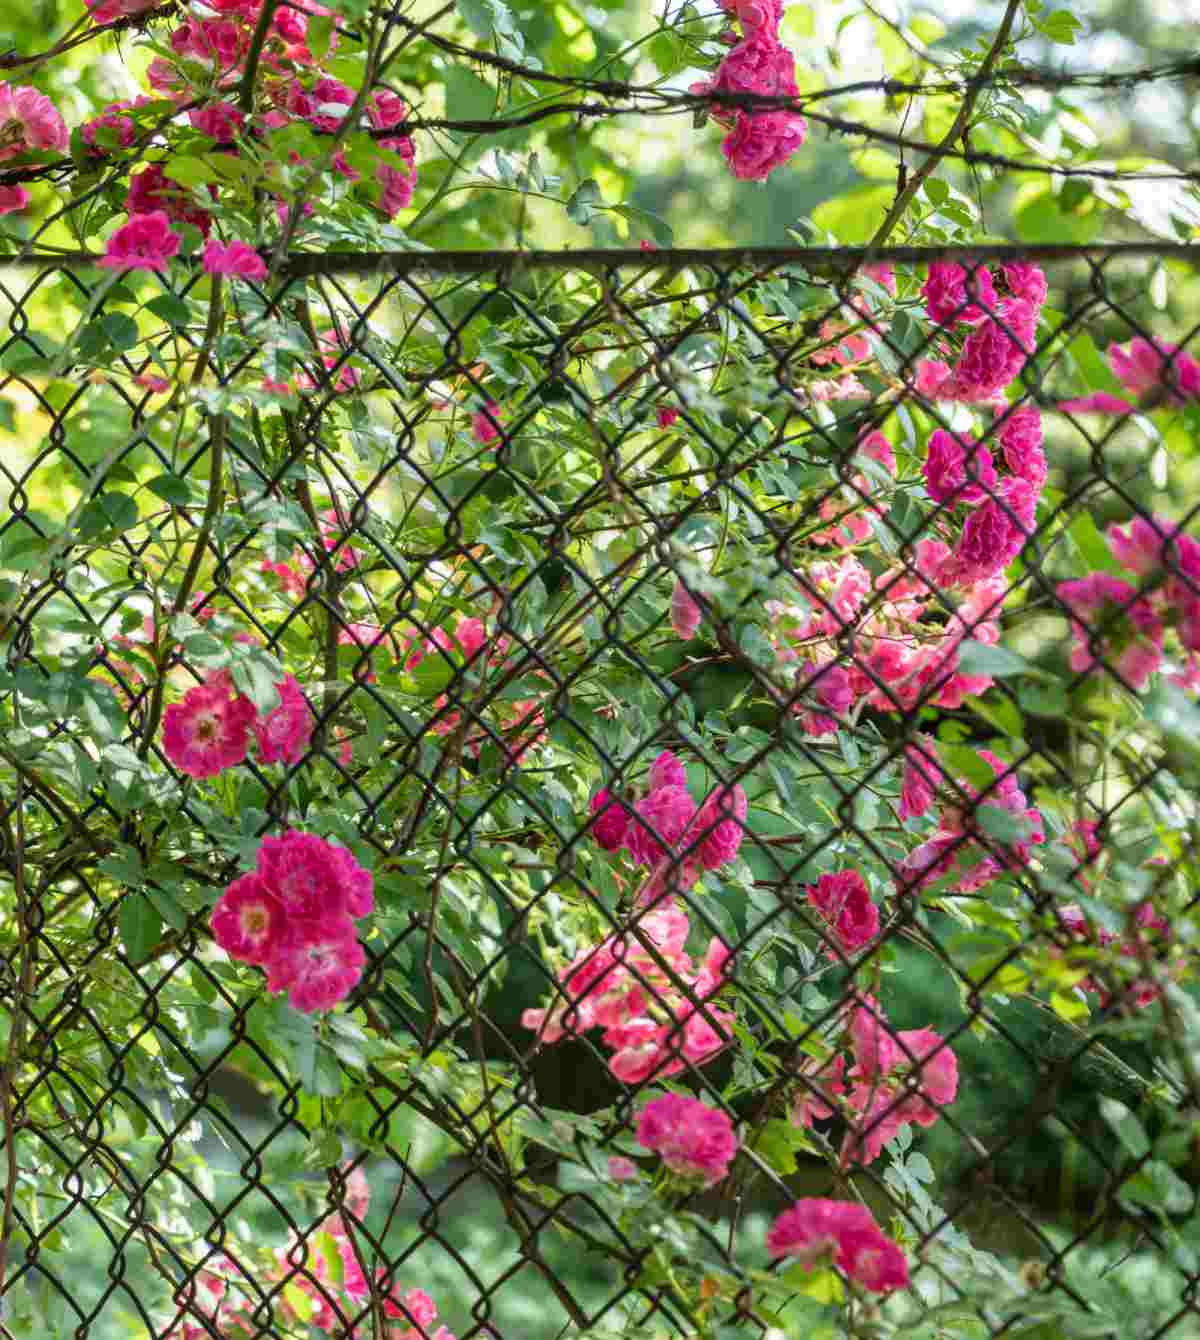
[421,680]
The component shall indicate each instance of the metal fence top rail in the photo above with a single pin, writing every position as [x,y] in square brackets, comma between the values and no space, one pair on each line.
[303,264]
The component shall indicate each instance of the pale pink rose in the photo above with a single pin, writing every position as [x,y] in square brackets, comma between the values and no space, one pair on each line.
[612,820]
[720,826]
[29,121]
[1020,436]
[235,258]
[114,120]
[953,294]
[621,1169]
[314,880]
[1026,280]
[958,470]
[283,735]
[1099,402]
[220,121]
[152,190]
[760,143]
[1143,366]
[921,777]
[486,423]
[845,1234]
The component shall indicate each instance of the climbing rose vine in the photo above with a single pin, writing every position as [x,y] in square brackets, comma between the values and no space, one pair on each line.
[662,735]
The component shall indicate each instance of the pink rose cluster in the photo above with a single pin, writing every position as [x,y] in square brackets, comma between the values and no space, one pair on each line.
[294,88]
[294,916]
[841,900]
[758,141]
[693,1140]
[112,119]
[897,1078]
[210,729]
[851,520]
[665,831]
[888,641]
[639,985]
[989,338]
[1155,372]
[1000,509]
[963,848]
[1117,627]
[293,577]
[224,1296]
[843,1234]
[1149,933]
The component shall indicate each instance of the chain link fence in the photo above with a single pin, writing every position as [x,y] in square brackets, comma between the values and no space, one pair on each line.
[520,527]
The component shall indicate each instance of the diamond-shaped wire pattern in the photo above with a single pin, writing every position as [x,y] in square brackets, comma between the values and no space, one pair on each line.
[750,542]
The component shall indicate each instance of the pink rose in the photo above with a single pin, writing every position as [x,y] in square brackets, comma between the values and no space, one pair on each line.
[235,258]
[146,242]
[693,1140]
[209,730]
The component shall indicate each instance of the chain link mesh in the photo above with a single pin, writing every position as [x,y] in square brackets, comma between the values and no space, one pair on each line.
[558,449]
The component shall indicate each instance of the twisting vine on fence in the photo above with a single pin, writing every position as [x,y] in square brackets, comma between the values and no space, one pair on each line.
[628,792]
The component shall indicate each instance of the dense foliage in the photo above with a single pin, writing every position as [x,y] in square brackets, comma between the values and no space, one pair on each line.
[652,733]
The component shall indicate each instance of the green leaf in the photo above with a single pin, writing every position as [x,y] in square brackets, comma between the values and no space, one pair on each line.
[662,231]
[1043,219]
[171,488]
[936,191]
[188,170]
[961,760]
[320,1073]
[853,216]
[139,925]
[1059,26]
[109,512]
[23,551]
[468,98]
[1092,546]
[1158,1187]
[1174,713]
[319,35]
[1126,1127]
[477,16]
[774,1144]
[121,330]
[256,677]
[1044,700]
[982,658]
[101,712]
[1002,824]
[823,1284]
[174,311]
[584,202]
